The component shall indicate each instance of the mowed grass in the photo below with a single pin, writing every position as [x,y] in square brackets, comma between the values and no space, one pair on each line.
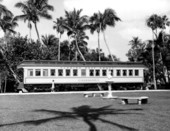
[73,112]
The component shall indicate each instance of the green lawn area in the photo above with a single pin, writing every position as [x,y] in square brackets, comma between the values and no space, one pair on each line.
[73,112]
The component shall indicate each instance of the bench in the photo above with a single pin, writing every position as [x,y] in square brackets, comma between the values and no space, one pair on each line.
[111,98]
[89,94]
[140,100]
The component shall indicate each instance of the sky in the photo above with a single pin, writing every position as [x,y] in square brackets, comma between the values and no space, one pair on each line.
[133,14]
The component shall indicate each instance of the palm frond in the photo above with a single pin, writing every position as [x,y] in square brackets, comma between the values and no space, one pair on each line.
[44,14]
[5,11]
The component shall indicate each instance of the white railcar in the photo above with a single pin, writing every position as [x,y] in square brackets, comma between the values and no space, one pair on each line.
[71,72]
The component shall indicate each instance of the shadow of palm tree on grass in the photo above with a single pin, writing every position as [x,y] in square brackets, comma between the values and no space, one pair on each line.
[88,115]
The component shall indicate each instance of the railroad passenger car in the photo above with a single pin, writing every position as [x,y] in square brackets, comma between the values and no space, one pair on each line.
[89,72]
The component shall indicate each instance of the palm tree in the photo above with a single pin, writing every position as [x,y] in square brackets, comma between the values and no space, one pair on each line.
[5,19]
[7,24]
[165,22]
[95,25]
[33,10]
[60,29]
[137,47]
[49,40]
[154,22]
[27,14]
[74,23]
[4,11]
[81,42]
[99,22]
[135,42]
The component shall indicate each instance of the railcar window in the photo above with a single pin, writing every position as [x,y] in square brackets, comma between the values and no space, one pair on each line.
[111,72]
[45,72]
[67,72]
[91,73]
[136,72]
[30,72]
[37,72]
[60,72]
[118,72]
[124,72]
[52,72]
[83,72]
[75,72]
[130,72]
[97,72]
[104,73]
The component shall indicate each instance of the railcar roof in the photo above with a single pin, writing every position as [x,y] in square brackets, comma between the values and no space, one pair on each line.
[53,63]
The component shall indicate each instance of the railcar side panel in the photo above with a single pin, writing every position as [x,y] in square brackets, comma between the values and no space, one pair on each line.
[82,75]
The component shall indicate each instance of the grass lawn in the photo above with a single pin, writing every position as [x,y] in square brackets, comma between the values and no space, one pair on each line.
[73,112]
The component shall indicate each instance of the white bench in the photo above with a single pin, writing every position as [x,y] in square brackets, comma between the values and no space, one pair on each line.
[140,100]
[90,94]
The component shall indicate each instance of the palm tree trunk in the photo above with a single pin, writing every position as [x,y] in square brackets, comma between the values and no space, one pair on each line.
[165,71]
[30,33]
[107,46]
[29,26]
[59,47]
[99,45]
[38,34]
[79,49]
[166,74]
[76,55]
[153,58]
[37,31]
[5,83]
[69,56]
[0,83]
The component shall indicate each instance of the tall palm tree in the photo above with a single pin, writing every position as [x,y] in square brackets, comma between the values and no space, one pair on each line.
[60,29]
[75,23]
[33,10]
[154,22]
[27,14]
[165,23]
[99,22]
[95,25]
